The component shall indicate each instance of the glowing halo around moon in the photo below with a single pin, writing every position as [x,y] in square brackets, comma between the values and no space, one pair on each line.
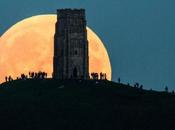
[28,46]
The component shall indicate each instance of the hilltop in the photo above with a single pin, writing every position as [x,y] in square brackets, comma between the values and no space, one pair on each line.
[84,105]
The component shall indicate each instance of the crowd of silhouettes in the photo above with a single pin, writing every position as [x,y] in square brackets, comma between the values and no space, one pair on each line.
[39,75]
[101,76]
[31,75]
[94,76]
[43,75]
[166,90]
[137,85]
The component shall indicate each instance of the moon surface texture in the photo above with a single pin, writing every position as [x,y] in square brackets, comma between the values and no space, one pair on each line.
[28,46]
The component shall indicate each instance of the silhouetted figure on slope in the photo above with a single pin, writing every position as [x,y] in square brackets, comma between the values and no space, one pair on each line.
[101,76]
[10,78]
[32,75]
[141,87]
[119,80]
[136,85]
[23,77]
[92,75]
[39,75]
[29,74]
[45,75]
[166,89]
[6,79]
[36,75]
[95,76]
[105,76]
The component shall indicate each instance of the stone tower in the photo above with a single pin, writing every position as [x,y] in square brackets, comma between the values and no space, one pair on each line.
[71,59]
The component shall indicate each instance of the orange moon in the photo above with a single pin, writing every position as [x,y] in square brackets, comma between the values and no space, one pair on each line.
[28,46]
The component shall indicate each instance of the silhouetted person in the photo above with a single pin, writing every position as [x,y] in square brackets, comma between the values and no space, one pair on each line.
[36,75]
[23,76]
[101,76]
[166,89]
[173,92]
[136,85]
[96,76]
[141,87]
[43,75]
[6,78]
[93,75]
[105,76]
[10,78]
[32,75]
[119,80]
[29,74]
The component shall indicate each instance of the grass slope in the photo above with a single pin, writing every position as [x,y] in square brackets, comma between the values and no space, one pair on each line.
[83,105]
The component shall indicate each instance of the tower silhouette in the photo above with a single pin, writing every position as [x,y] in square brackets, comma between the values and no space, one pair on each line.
[71,59]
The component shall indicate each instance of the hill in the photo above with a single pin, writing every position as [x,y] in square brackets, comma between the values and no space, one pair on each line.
[83,105]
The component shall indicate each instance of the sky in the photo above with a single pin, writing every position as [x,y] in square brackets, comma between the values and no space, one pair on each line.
[139,35]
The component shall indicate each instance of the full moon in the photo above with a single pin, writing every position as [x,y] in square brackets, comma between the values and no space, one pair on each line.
[28,46]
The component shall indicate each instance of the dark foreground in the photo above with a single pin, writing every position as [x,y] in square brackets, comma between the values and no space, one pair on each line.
[83,105]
